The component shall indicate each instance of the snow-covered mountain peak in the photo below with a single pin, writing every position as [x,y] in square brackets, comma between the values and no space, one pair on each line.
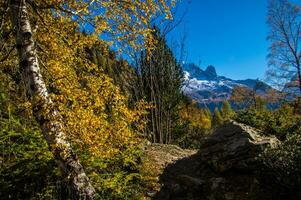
[205,86]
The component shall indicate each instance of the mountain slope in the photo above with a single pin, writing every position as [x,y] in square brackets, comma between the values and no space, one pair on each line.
[206,87]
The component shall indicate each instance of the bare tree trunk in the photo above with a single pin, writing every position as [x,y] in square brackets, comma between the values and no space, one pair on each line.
[299,76]
[170,134]
[44,112]
[169,126]
[156,119]
[154,132]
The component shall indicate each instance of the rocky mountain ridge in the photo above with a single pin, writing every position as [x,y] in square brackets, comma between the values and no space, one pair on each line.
[207,87]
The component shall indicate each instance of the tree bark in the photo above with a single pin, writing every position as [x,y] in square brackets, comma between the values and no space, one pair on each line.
[48,118]
[299,76]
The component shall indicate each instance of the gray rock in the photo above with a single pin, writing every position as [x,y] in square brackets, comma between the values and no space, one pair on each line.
[225,168]
[217,183]
[191,182]
[235,146]
[151,193]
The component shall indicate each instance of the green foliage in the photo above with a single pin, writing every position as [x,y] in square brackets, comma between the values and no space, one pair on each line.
[226,111]
[118,177]
[122,73]
[27,168]
[223,115]
[218,119]
[253,117]
[280,122]
[282,167]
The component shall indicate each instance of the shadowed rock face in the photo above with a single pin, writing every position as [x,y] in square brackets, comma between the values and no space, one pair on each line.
[210,71]
[225,167]
[235,146]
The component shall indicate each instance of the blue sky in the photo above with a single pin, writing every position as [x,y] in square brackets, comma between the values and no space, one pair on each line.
[229,34]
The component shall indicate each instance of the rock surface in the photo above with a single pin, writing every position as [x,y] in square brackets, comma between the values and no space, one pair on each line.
[157,158]
[224,168]
[235,146]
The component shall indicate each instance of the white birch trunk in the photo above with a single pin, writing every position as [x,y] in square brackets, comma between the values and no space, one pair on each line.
[44,112]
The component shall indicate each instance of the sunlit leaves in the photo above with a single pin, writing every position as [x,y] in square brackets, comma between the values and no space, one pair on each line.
[127,23]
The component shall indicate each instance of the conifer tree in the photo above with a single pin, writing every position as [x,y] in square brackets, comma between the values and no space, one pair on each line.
[226,111]
[217,118]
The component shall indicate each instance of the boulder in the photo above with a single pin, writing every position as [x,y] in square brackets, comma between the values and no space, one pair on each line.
[190,182]
[235,146]
[226,167]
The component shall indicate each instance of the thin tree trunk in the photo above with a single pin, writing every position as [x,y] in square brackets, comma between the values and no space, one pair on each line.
[149,75]
[170,133]
[167,128]
[299,76]
[44,112]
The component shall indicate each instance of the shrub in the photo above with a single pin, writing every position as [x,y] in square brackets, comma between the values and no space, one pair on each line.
[282,170]
[280,122]
[282,165]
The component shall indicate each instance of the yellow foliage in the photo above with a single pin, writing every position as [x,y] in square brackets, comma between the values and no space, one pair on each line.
[97,118]
[96,115]
[196,117]
[125,23]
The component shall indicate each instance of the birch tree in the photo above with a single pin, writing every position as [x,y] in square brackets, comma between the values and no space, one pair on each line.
[45,113]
